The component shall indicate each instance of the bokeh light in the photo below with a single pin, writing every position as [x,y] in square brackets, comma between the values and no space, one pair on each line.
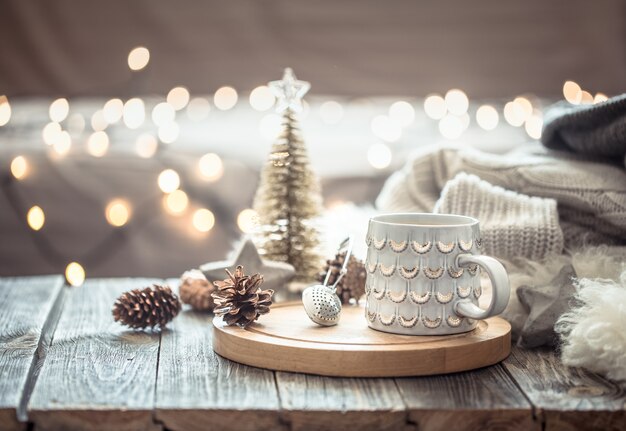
[572,92]
[526,106]
[138,58]
[456,101]
[178,97]
[600,97]
[117,212]
[211,167]
[51,132]
[402,113]
[514,114]
[113,110]
[176,202]
[487,117]
[63,143]
[168,180]
[586,98]
[19,167]
[435,106]
[203,220]
[451,126]
[35,218]
[533,125]
[76,123]
[261,98]
[379,156]
[98,144]
[270,126]
[168,132]
[98,122]
[75,274]
[248,220]
[225,98]
[163,113]
[198,109]
[331,112]
[59,109]
[146,145]
[385,129]
[134,113]
[5,110]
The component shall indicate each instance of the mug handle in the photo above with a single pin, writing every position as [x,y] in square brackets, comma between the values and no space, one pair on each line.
[501,290]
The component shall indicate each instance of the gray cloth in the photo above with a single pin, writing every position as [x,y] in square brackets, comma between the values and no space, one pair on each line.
[545,304]
[596,130]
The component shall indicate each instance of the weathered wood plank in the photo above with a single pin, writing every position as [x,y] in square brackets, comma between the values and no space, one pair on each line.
[199,390]
[326,403]
[97,374]
[567,398]
[29,309]
[482,399]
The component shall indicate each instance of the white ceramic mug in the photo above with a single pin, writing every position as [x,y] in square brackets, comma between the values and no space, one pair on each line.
[423,274]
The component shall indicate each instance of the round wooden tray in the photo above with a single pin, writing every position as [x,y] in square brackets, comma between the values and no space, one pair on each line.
[286,340]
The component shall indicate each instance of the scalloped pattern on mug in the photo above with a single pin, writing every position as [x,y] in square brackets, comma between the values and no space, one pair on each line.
[421,248]
[371,267]
[420,299]
[454,321]
[398,247]
[444,298]
[386,320]
[479,242]
[466,246]
[464,292]
[409,274]
[478,291]
[385,270]
[378,294]
[379,244]
[455,273]
[472,269]
[408,323]
[397,298]
[445,248]
[433,273]
[370,316]
[368,241]
[431,323]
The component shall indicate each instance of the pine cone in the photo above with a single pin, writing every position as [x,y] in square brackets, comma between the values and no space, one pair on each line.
[196,290]
[148,307]
[352,285]
[239,298]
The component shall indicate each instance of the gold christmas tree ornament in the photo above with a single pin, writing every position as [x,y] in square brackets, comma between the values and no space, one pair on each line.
[239,299]
[289,198]
[196,290]
[146,308]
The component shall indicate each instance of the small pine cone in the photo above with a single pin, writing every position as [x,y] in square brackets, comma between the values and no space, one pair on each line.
[352,285]
[148,307]
[240,300]
[196,290]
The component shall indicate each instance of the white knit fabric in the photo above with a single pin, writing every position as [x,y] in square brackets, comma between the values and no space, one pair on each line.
[590,196]
[512,224]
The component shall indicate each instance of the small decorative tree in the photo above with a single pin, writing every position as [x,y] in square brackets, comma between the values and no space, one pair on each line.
[288,197]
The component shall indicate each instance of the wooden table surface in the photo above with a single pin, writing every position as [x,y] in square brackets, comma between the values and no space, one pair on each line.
[64,364]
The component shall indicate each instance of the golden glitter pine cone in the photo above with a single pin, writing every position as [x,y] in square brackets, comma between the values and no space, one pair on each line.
[239,299]
[196,290]
[146,308]
[352,285]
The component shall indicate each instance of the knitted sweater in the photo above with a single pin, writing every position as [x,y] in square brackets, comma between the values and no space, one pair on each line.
[588,197]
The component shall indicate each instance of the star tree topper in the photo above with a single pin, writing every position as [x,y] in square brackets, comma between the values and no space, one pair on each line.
[276,275]
[289,91]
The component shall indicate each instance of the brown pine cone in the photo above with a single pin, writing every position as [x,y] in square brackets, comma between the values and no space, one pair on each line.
[196,290]
[148,307]
[352,285]
[239,298]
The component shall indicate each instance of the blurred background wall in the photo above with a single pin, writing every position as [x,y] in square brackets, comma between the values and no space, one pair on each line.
[490,48]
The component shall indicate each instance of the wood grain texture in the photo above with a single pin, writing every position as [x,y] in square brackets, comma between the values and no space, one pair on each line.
[199,390]
[323,403]
[475,400]
[286,340]
[567,398]
[28,310]
[97,374]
